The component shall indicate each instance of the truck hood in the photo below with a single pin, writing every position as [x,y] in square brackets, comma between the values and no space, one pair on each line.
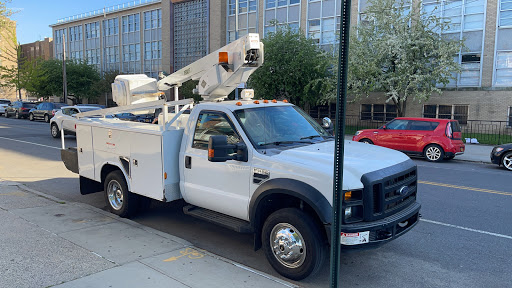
[359,159]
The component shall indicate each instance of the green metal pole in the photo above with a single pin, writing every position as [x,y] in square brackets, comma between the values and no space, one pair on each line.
[341,101]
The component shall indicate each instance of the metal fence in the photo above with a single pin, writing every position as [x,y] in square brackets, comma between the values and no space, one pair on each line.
[474,131]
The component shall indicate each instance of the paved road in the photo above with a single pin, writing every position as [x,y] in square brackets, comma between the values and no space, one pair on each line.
[463,240]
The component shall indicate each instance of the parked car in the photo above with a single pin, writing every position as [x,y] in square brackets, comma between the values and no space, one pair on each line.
[19,109]
[92,105]
[502,155]
[45,110]
[126,116]
[65,119]
[435,139]
[3,104]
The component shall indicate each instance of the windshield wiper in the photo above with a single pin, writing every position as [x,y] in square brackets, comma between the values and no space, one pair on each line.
[277,143]
[314,136]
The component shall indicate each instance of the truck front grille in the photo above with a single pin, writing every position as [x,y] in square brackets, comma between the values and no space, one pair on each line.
[390,190]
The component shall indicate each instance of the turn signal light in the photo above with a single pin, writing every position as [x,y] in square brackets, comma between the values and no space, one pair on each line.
[348,195]
[238,103]
[211,153]
[223,57]
[256,102]
[274,101]
[165,175]
[285,101]
[265,101]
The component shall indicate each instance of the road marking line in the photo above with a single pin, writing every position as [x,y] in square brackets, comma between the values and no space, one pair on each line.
[26,142]
[467,229]
[466,188]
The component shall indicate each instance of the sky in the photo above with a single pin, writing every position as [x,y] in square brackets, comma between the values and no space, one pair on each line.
[34,17]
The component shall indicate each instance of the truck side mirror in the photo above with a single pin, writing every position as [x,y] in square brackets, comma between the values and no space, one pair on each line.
[384,127]
[327,125]
[218,150]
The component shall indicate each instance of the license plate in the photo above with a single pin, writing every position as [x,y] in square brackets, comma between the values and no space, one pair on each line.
[355,238]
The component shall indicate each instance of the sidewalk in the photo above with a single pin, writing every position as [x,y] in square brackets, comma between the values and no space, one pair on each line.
[473,153]
[45,242]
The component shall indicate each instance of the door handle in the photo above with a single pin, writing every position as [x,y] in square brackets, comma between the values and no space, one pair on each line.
[188,162]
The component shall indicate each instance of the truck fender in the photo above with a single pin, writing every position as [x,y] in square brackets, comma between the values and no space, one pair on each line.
[294,188]
[113,166]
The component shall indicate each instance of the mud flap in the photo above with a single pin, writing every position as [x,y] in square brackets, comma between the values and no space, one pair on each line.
[70,158]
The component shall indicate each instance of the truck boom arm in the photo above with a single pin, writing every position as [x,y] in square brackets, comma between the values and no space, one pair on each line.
[218,75]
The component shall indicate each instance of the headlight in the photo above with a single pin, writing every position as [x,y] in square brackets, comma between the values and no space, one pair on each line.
[499,149]
[348,212]
[358,132]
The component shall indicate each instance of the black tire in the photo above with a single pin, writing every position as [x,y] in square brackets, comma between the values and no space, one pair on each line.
[366,141]
[300,228]
[31,117]
[506,161]
[121,201]
[46,118]
[6,115]
[17,115]
[54,130]
[433,153]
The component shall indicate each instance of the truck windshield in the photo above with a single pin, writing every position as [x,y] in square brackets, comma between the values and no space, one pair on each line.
[279,126]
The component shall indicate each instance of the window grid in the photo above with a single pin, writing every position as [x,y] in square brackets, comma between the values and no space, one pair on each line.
[503,57]
[190,32]
[111,59]
[152,43]
[378,112]
[272,5]
[456,112]
[92,30]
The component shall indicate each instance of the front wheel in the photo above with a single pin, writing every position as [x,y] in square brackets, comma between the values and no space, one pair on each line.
[6,115]
[31,117]
[434,153]
[507,161]
[120,201]
[54,130]
[17,115]
[46,118]
[293,243]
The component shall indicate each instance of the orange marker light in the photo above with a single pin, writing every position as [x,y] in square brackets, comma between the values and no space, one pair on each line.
[223,57]
[256,102]
[265,101]
[238,103]
[274,101]
[165,175]
[348,195]
[211,153]
[285,101]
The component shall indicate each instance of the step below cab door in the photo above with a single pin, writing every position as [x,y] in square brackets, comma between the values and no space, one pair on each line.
[218,186]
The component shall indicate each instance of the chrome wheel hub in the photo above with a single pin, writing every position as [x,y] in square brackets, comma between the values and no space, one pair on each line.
[288,245]
[433,153]
[507,162]
[115,195]
[54,130]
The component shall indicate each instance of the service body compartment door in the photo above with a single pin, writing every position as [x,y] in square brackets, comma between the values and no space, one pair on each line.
[146,168]
[85,151]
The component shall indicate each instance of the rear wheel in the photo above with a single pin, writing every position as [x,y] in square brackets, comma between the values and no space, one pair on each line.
[434,153]
[6,115]
[54,130]
[507,161]
[293,243]
[46,118]
[366,141]
[31,117]
[17,115]
[120,201]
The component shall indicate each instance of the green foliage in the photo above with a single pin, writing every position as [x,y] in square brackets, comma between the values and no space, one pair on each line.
[105,83]
[293,64]
[400,53]
[186,90]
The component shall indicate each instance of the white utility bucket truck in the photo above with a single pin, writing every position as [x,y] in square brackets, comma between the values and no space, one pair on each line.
[255,166]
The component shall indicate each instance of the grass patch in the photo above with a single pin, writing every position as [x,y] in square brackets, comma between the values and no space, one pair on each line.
[489,139]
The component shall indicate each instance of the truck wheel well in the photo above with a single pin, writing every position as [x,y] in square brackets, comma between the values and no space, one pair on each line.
[276,201]
[106,169]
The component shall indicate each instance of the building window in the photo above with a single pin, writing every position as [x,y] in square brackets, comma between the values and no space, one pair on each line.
[131,23]
[505,13]
[153,19]
[456,112]
[75,33]
[92,30]
[510,116]
[378,112]
[503,64]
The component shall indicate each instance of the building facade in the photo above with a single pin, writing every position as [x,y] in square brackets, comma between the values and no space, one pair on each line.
[483,90]
[8,56]
[40,49]
[142,37]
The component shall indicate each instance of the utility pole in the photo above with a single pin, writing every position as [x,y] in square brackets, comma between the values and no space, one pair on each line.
[341,101]
[64,79]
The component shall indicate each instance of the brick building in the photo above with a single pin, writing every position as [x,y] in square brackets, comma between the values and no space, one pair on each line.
[8,54]
[39,49]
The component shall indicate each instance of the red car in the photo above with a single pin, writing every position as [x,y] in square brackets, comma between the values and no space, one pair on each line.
[435,139]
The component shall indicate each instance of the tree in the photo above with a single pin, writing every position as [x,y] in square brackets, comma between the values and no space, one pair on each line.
[292,61]
[5,13]
[105,84]
[401,53]
[187,88]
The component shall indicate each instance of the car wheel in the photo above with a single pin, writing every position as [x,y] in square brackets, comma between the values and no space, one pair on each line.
[366,141]
[293,243]
[31,117]
[17,115]
[6,115]
[507,161]
[119,200]
[434,153]
[54,130]
[46,118]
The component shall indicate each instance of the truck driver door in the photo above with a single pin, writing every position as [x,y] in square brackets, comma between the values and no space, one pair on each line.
[218,186]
